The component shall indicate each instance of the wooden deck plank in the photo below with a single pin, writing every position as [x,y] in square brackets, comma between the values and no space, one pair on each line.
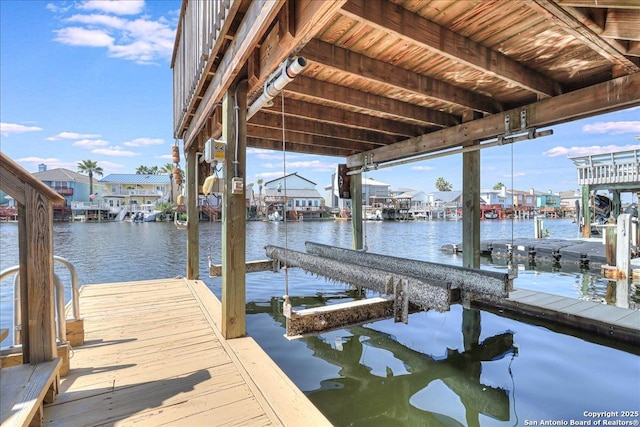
[154,355]
[540,299]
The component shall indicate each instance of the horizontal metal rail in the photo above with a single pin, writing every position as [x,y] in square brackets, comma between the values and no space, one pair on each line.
[59,296]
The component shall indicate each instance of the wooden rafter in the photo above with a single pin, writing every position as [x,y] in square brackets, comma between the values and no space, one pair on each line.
[340,117]
[601,98]
[295,124]
[302,138]
[382,73]
[576,23]
[430,36]
[379,106]
[272,144]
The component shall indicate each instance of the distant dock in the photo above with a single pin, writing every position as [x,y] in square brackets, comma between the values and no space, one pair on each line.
[588,254]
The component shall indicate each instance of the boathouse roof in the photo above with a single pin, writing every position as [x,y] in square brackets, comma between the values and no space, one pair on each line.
[393,79]
[133,178]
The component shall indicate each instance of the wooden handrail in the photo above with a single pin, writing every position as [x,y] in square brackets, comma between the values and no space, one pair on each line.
[14,179]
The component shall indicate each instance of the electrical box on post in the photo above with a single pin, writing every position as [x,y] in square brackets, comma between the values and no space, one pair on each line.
[236,186]
[214,150]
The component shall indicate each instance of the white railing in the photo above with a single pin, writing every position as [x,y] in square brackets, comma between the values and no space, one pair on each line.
[609,174]
[77,206]
[198,29]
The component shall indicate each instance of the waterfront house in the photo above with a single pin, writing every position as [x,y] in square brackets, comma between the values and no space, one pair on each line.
[417,199]
[548,204]
[524,203]
[568,201]
[74,187]
[297,193]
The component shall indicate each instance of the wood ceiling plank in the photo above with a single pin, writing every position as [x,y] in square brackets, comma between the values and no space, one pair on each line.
[313,127]
[406,25]
[337,116]
[582,28]
[598,99]
[382,73]
[379,106]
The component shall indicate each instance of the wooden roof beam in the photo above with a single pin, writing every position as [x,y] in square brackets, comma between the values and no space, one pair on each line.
[597,99]
[428,35]
[300,138]
[584,29]
[375,105]
[330,56]
[272,144]
[313,127]
[340,117]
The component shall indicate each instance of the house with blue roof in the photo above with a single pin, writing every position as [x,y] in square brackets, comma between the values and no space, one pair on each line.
[128,188]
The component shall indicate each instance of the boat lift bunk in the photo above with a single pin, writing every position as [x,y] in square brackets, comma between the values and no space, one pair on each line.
[407,285]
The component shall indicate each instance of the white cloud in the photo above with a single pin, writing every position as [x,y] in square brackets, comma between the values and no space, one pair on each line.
[117,7]
[8,128]
[110,165]
[140,39]
[613,128]
[586,151]
[144,142]
[77,36]
[90,143]
[114,151]
[422,168]
[72,135]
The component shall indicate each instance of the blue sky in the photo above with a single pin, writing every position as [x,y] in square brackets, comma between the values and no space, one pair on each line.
[92,80]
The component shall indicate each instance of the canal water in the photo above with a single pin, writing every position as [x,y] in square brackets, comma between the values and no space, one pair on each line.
[458,368]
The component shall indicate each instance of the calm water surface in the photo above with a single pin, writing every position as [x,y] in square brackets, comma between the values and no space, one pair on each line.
[462,367]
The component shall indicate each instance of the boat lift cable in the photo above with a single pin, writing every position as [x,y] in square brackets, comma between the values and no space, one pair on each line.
[284,205]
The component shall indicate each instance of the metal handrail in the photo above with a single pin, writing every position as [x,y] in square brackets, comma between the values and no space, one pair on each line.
[59,296]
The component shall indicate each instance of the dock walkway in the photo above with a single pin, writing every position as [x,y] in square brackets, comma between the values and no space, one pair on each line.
[619,323]
[585,253]
[154,355]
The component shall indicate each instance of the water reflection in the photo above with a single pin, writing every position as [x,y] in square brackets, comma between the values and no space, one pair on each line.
[402,385]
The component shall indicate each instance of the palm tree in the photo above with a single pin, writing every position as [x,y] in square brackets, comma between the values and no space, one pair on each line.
[142,170]
[443,185]
[90,167]
[260,181]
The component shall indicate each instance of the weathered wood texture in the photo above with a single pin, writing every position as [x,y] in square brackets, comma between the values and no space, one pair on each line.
[193,222]
[24,389]
[154,355]
[234,222]
[35,245]
[250,267]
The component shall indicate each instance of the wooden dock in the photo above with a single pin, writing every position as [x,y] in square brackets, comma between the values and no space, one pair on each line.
[154,355]
[608,321]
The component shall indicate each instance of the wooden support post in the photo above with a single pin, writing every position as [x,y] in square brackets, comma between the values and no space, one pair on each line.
[23,334]
[356,212]
[586,213]
[39,279]
[193,226]
[233,212]
[471,204]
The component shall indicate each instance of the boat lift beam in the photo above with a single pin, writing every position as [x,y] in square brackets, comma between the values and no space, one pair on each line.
[471,281]
[425,293]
